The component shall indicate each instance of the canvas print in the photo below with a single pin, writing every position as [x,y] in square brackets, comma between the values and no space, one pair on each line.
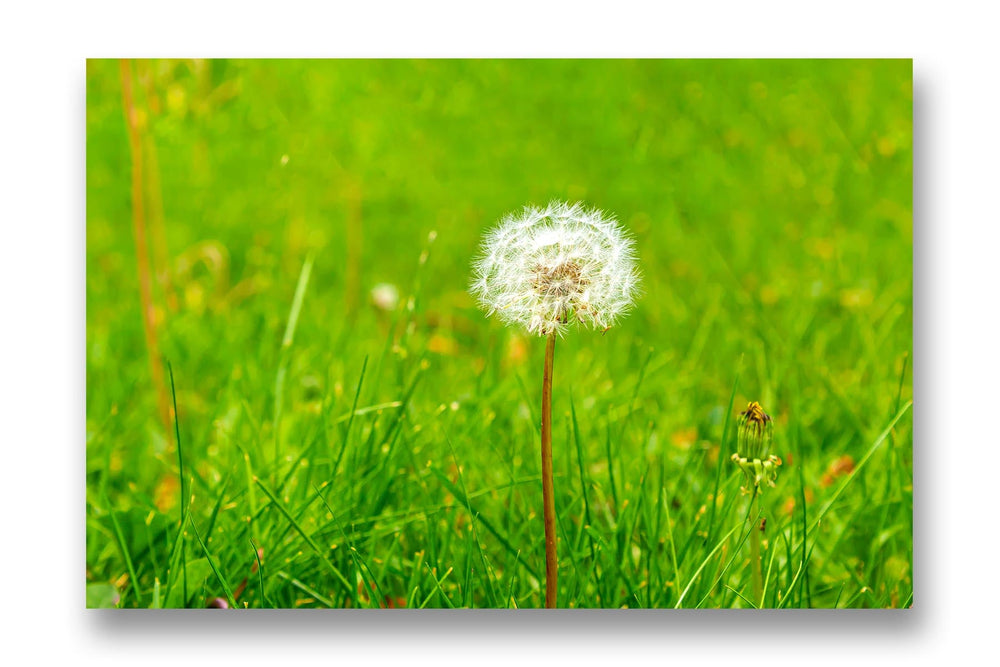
[411,334]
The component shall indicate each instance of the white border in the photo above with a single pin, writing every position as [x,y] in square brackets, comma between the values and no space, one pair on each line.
[955,361]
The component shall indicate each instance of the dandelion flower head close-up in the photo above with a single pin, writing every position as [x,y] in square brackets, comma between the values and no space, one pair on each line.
[546,268]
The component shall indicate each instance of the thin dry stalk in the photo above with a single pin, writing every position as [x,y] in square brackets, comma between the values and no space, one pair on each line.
[154,191]
[141,246]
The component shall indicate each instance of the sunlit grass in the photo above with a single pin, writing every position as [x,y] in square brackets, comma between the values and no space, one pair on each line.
[390,457]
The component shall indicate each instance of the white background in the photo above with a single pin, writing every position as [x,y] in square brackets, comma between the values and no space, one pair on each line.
[42,341]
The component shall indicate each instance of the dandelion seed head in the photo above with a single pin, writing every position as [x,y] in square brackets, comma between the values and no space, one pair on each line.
[547,268]
[385,296]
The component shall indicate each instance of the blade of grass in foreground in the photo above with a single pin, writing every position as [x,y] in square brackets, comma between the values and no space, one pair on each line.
[260,575]
[737,550]
[173,559]
[857,469]
[180,474]
[742,597]
[438,589]
[360,566]
[306,589]
[611,468]
[215,569]
[635,395]
[286,346]
[583,477]
[722,453]
[791,586]
[215,509]
[701,567]
[464,500]
[125,553]
[350,420]
[488,573]
[795,427]
[670,537]
[251,494]
[309,540]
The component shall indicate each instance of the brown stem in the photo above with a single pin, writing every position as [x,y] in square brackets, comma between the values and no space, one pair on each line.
[141,247]
[548,495]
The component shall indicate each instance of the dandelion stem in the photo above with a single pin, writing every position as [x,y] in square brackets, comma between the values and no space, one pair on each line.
[755,531]
[548,495]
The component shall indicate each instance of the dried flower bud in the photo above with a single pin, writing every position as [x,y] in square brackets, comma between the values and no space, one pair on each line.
[753,446]
[754,438]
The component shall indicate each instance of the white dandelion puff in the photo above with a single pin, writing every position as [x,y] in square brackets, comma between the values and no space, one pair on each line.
[385,296]
[546,268]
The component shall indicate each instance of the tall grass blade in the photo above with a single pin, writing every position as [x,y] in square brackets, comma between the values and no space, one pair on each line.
[286,346]
[305,536]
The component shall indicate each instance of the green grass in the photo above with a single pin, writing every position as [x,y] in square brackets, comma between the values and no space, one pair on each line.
[392,458]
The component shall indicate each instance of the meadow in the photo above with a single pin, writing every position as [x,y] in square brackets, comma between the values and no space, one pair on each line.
[293,400]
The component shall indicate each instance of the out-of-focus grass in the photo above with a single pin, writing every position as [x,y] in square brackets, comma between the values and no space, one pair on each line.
[771,203]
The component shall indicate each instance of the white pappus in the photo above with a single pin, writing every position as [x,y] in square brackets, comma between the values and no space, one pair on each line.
[546,268]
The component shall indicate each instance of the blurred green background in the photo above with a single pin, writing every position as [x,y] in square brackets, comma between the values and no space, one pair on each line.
[771,205]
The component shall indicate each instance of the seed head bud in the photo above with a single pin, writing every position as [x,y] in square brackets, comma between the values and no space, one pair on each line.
[753,446]
[754,438]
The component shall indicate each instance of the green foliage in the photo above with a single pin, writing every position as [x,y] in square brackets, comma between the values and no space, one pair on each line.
[390,458]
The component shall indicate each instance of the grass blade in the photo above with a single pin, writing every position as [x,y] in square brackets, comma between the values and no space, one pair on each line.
[722,454]
[309,540]
[215,568]
[180,473]
[857,468]
[705,562]
[286,345]
[125,553]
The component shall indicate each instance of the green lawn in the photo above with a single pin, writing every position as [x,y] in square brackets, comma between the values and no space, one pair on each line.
[391,457]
